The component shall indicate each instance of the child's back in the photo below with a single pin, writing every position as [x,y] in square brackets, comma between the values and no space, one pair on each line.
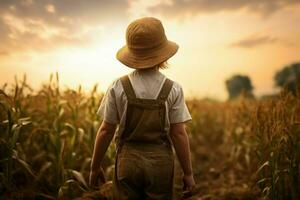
[150,111]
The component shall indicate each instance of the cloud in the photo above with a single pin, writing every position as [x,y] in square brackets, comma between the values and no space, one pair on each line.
[48,24]
[254,41]
[19,35]
[90,11]
[3,53]
[179,8]
[50,8]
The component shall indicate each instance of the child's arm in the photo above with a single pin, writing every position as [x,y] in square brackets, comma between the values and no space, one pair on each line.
[104,136]
[181,144]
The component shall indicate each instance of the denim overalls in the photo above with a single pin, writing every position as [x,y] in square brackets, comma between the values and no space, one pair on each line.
[144,162]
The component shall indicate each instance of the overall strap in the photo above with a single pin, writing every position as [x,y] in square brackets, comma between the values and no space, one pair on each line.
[127,87]
[165,90]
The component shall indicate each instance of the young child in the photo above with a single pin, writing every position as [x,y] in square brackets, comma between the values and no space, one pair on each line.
[151,113]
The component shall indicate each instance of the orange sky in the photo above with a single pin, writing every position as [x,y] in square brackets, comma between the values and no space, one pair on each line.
[217,39]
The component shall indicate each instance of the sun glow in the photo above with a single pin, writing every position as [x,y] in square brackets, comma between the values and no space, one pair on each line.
[93,64]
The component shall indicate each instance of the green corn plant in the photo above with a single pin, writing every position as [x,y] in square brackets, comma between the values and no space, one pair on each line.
[10,129]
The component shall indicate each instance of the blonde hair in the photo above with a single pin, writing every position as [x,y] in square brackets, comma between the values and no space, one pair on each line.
[163,65]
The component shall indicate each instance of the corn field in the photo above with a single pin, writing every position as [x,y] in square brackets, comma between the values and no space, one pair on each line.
[242,149]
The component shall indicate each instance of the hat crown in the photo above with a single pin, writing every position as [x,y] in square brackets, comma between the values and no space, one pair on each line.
[144,34]
[146,44]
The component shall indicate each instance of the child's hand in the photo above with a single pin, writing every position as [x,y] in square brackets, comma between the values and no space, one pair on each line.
[97,178]
[188,185]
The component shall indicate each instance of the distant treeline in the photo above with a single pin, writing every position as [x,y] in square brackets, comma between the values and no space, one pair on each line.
[288,77]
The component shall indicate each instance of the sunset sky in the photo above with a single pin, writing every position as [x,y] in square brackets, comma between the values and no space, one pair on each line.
[217,39]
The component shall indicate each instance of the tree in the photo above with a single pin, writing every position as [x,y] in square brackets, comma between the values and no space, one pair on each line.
[289,77]
[239,84]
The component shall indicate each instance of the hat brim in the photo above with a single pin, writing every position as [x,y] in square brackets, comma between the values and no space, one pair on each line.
[150,59]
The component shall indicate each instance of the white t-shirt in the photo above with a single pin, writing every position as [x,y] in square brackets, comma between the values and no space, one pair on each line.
[146,84]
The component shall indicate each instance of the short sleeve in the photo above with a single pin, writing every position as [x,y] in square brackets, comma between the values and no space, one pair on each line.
[108,107]
[179,111]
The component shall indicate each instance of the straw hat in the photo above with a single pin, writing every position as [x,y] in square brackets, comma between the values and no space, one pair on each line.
[146,44]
